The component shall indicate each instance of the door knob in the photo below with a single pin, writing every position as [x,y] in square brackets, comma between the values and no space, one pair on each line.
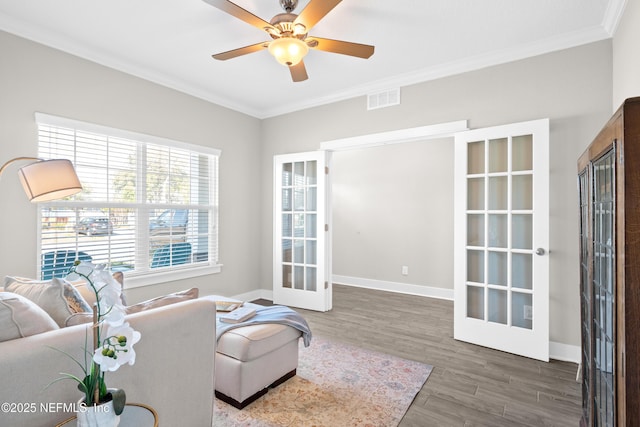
[540,251]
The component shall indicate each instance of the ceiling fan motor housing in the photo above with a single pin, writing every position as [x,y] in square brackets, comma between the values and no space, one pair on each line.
[284,22]
[288,5]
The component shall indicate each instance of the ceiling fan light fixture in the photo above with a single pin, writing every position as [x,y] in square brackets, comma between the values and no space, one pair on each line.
[299,29]
[288,51]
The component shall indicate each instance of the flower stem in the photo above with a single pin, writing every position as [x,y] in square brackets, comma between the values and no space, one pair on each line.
[96,338]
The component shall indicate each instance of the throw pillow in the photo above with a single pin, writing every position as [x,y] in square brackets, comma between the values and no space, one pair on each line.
[57,297]
[21,317]
[90,297]
[81,318]
[164,300]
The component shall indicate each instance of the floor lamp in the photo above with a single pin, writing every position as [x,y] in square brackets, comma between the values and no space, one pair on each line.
[45,180]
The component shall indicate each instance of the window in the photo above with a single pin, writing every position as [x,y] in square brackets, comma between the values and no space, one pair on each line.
[149,206]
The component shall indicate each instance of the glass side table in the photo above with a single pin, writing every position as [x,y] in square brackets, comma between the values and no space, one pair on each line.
[134,415]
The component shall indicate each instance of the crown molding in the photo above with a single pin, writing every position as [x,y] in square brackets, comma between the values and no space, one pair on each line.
[564,41]
[613,15]
[71,46]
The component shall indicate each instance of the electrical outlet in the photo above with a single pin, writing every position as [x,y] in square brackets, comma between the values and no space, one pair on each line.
[405,270]
[528,312]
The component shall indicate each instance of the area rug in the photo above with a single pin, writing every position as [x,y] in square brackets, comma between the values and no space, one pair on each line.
[337,385]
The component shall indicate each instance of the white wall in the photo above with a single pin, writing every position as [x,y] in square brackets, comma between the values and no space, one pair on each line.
[626,60]
[571,87]
[37,78]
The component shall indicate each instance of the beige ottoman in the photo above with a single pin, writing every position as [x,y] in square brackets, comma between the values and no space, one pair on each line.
[250,359]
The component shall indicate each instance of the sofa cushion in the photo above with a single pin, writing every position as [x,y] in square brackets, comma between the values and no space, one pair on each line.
[56,296]
[80,318]
[250,342]
[21,317]
[163,300]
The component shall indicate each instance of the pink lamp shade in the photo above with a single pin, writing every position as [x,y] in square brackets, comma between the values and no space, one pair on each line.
[49,180]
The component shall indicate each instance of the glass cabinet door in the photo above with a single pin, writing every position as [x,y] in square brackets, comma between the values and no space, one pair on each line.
[585,292]
[603,290]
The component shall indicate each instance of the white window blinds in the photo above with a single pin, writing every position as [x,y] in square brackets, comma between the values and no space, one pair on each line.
[148,205]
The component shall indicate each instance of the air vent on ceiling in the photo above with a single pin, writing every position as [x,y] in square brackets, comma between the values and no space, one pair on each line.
[386,98]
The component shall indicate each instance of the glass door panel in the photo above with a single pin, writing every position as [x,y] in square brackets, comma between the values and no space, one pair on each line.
[603,285]
[585,293]
[498,193]
[522,270]
[299,199]
[522,197]
[522,311]
[522,158]
[286,250]
[311,173]
[475,197]
[286,199]
[475,266]
[312,279]
[475,154]
[298,277]
[498,155]
[498,230]
[498,267]
[522,228]
[311,226]
[287,225]
[475,230]
[475,302]
[286,276]
[287,175]
[498,306]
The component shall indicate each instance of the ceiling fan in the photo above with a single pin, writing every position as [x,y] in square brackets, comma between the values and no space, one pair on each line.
[289,33]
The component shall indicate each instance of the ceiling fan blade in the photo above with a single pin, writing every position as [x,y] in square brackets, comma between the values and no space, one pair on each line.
[240,51]
[298,72]
[240,13]
[314,12]
[342,47]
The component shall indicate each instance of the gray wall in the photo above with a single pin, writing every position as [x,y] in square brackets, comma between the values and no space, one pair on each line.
[571,87]
[35,78]
[626,61]
[392,208]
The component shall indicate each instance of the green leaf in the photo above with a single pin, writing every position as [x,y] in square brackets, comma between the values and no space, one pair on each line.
[119,399]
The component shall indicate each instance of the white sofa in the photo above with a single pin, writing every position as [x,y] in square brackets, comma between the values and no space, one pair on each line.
[173,372]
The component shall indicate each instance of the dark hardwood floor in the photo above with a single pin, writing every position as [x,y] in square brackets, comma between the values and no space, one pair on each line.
[469,385]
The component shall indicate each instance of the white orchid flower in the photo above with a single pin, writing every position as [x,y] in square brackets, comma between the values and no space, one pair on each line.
[113,315]
[117,349]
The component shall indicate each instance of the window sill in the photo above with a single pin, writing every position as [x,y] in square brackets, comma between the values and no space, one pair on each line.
[148,279]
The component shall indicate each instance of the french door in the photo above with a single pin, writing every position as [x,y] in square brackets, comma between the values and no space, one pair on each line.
[501,278]
[302,243]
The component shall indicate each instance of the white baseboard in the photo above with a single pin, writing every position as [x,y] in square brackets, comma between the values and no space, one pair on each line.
[254,295]
[403,288]
[565,352]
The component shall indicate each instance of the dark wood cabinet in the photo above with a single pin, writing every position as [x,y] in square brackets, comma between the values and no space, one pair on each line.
[609,191]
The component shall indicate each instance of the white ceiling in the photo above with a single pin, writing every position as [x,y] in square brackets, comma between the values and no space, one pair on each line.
[170,42]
